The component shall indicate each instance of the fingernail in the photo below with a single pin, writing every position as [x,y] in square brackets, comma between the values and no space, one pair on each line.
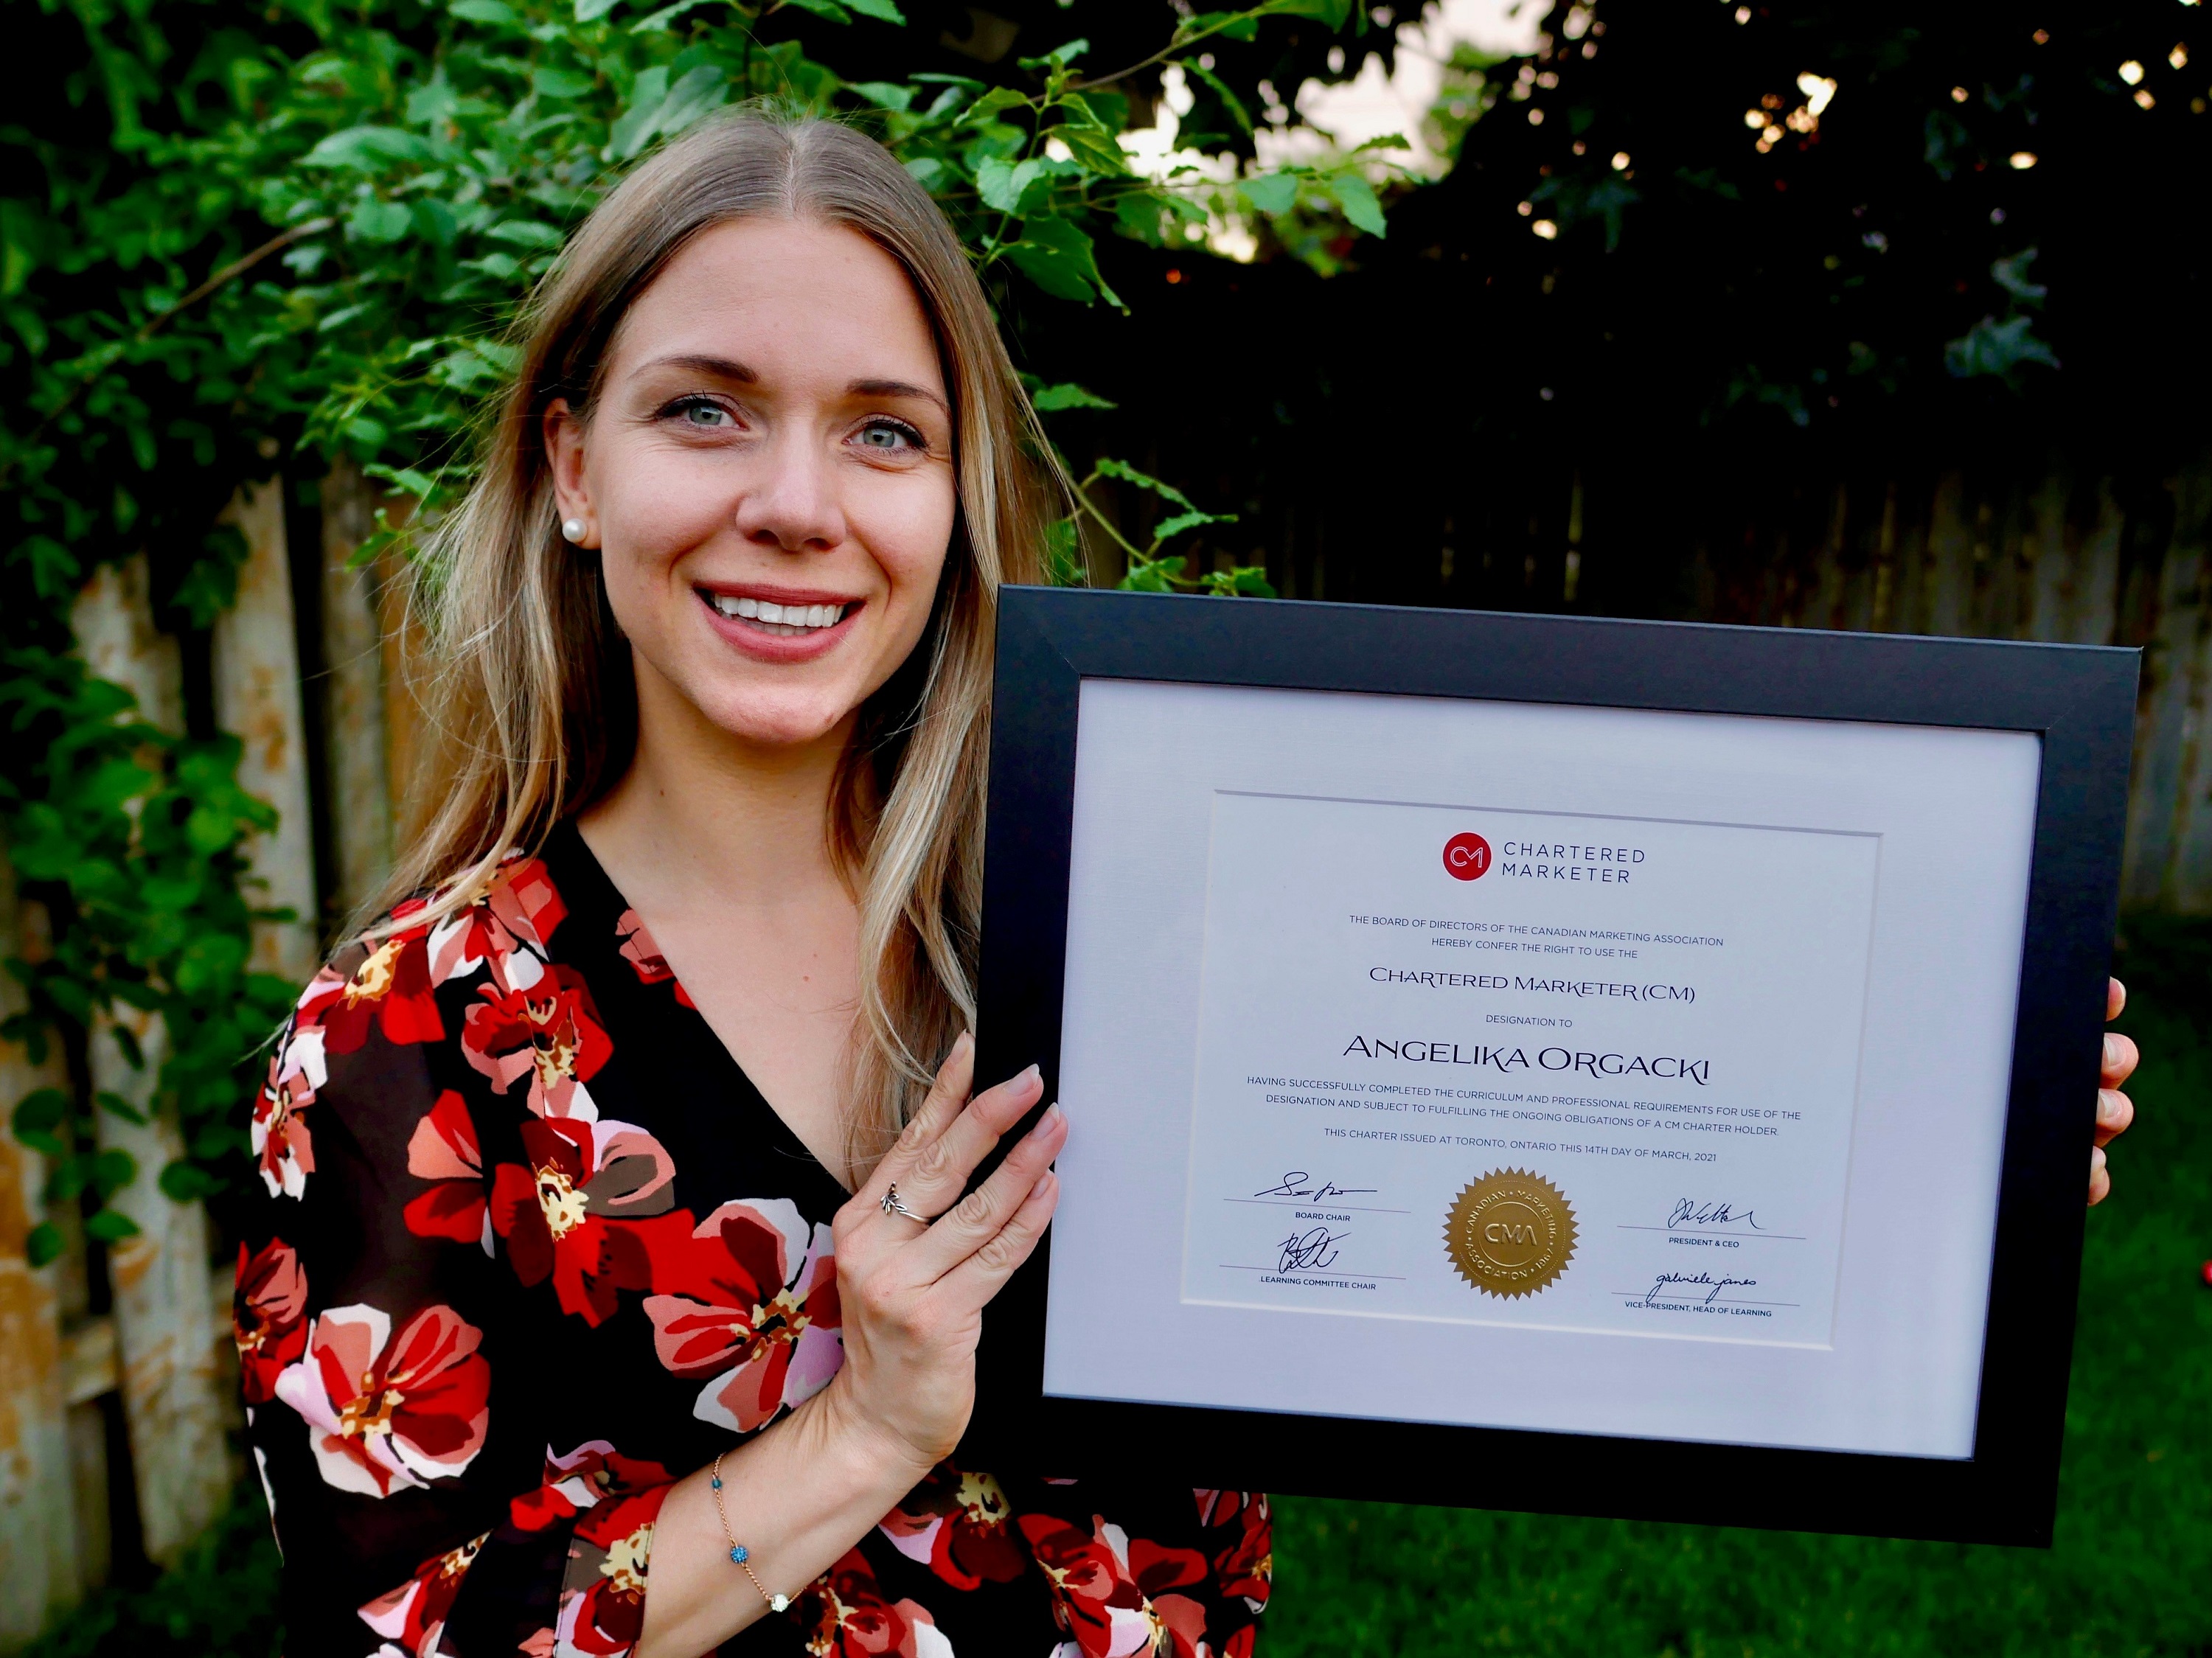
[2111,1051]
[1053,1116]
[2108,1106]
[1031,1074]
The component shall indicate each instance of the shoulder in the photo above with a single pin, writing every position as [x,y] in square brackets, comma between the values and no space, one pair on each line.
[374,1030]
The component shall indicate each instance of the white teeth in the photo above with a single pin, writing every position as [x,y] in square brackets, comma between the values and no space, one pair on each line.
[783,619]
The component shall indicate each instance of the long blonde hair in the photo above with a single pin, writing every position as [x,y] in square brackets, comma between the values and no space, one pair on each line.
[528,686]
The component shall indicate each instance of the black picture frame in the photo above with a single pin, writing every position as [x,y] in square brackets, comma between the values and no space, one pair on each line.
[2081,699]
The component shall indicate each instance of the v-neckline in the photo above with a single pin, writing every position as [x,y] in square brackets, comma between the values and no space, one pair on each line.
[579,875]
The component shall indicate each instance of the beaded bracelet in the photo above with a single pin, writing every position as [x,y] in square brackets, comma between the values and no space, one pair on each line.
[740,1555]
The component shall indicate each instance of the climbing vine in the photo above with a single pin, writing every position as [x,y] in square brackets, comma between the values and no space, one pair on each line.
[297,235]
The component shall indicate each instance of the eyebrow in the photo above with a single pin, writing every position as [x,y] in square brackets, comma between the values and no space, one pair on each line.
[729,368]
[896,389]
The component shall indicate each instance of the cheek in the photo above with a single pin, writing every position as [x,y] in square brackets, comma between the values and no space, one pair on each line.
[909,532]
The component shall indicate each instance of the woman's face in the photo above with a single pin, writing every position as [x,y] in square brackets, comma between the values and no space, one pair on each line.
[768,478]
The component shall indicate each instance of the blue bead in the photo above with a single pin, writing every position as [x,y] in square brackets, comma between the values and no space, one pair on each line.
[715,1480]
[737,1554]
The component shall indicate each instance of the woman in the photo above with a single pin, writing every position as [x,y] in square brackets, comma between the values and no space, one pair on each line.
[557,1276]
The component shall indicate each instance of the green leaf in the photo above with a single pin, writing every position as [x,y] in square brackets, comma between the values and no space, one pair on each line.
[1058,258]
[1270,192]
[187,1182]
[377,222]
[991,104]
[369,150]
[1128,474]
[885,94]
[525,233]
[1229,100]
[882,10]
[44,1243]
[829,9]
[590,11]
[1095,148]
[1335,13]
[1356,197]
[486,11]
[1245,581]
[1151,576]
[110,1227]
[1189,520]
[1052,399]
[116,1105]
[37,1116]
[112,1170]
[560,82]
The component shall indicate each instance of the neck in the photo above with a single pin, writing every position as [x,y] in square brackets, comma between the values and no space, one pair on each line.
[700,811]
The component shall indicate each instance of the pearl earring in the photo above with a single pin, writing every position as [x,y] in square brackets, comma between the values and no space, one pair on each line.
[572,528]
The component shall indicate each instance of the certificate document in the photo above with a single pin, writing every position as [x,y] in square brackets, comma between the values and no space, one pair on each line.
[1563,1068]
[1493,1065]
[1542,1062]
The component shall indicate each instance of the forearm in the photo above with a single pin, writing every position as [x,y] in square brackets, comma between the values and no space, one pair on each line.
[799,1495]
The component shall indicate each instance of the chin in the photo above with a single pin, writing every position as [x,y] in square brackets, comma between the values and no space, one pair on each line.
[774,721]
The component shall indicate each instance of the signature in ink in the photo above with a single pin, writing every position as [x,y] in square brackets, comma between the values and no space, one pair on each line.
[1310,1251]
[1706,1281]
[1691,1212]
[1296,1184]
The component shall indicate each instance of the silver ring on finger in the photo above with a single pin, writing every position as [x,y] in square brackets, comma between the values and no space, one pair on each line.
[893,1203]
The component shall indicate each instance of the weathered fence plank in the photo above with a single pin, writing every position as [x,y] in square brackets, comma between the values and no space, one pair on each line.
[172,1401]
[355,737]
[39,1569]
[257,697]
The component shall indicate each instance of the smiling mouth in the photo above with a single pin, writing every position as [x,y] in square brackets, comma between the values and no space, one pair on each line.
[782,621]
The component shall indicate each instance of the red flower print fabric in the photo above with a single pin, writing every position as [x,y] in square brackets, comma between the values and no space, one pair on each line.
[383,985]
[847,1615]
[264,1318]
[443,1149]
[413,1616]
[645,957]
[283,1148]
[548,1032]
[752,1305]
[385,1413]
[580,1211]
[527,1247]
[961,1525]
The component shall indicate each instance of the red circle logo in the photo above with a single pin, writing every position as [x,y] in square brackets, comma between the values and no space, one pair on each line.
[1467,857]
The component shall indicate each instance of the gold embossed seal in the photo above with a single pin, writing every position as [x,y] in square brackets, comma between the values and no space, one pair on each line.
[1510,1233]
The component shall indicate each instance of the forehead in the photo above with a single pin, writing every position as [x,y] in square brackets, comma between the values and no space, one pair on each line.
[790,298]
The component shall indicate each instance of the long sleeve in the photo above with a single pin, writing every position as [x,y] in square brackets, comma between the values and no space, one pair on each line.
[396,1383]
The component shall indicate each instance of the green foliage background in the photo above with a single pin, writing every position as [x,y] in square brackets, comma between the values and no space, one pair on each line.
[244,240]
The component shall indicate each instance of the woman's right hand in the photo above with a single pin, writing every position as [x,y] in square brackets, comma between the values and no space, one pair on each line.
[911,1294]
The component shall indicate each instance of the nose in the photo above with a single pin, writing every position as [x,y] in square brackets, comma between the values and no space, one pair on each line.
[792,504]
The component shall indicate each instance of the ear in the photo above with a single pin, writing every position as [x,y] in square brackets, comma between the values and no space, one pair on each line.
[564,434]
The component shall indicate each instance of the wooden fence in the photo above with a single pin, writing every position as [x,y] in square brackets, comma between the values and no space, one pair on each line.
[137,1399]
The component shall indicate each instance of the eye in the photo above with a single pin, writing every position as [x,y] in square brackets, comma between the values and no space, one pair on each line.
[701,414]
[890,436]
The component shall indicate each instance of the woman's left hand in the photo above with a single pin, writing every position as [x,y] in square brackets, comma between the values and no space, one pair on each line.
[2115,1111]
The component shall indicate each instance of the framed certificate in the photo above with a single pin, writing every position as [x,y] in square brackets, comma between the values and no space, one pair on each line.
[1609,1067]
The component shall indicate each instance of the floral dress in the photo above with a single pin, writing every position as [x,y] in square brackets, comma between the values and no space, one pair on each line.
[532,1248]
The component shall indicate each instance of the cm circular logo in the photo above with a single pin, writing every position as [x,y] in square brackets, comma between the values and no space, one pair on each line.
[1467,857]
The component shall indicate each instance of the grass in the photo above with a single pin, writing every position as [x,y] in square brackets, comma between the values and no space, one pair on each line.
[2130,1576]
[2131,1572]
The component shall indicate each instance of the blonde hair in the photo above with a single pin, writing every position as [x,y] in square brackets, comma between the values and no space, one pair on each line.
[528,686]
